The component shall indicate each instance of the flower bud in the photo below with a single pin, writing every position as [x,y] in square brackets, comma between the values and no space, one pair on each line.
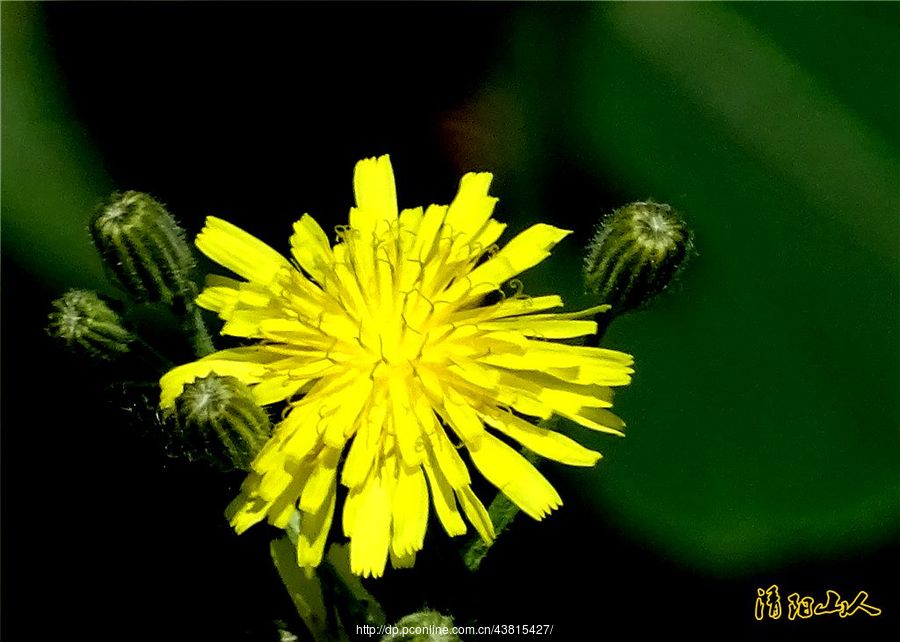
[422,626]
[145,247]
[635,254]
[220,416]
[85,322]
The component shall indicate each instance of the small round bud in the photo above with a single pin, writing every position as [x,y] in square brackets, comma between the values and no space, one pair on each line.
[635,254]
[422,626]
[145,247]
[220,416]
[84,322]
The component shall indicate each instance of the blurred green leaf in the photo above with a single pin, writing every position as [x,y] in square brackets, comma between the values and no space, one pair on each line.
[763,422]
[51,180]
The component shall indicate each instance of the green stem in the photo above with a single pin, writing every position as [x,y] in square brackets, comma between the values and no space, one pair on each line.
[502,512]
[195,327]
[305,590]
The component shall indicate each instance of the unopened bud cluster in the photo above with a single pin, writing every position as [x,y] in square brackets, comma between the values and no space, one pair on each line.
[145,247]
[220,414]
[635,254]
[86,323]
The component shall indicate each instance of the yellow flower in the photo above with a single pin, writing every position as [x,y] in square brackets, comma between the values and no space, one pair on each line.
[384,342]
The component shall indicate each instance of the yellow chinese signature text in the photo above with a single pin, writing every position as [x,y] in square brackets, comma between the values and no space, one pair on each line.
[768,605]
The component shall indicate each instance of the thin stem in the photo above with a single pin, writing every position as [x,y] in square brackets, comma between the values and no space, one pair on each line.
[502,512]
[195,327]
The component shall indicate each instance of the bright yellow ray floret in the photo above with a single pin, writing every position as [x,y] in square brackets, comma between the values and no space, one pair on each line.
[383,346]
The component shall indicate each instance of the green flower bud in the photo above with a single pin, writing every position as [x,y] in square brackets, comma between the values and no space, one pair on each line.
[422,626]
[145,248]
[84,322]
[635,254]
[220,415]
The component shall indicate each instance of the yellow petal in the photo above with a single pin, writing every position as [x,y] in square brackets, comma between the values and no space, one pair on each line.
[350,403]
[447,459]
[469,212]
[485,239]
[274,389]
[575,364]
[464,421]
[371,531]
[240,252]
[365,445]
[524,251]
[311,248]
[554,393]
[597,419]
[320,482]
[280,513]
[515,477]
[410,220]
[296,437]
[508,308]
[544,442]
[410,511]
[274,482]
[285,505]
[246,323]
[549,329]
[428,233]
[444,501]
[351,508]
[376,197]
[248,512]
[477,513]
[406,425]
[314,529]
[219,299]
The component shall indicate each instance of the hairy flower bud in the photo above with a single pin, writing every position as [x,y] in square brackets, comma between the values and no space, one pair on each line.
[84,321]
[220,414]
[145,247]
[635,254]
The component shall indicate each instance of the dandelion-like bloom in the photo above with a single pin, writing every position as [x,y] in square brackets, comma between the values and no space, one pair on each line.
[386,342]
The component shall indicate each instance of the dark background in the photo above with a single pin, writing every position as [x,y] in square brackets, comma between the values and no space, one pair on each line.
[763,419]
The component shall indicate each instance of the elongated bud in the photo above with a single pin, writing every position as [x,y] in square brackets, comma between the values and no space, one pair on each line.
[635,254]
[85,323]
[422,626]
[145,247]
[220,415]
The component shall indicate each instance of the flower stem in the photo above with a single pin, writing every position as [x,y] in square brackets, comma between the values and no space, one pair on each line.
[195,327]
[502,512]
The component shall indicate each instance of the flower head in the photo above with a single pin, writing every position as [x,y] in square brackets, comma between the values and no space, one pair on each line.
[636,252]
[144,246]
[222,414]
[388,352]
[85,322]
